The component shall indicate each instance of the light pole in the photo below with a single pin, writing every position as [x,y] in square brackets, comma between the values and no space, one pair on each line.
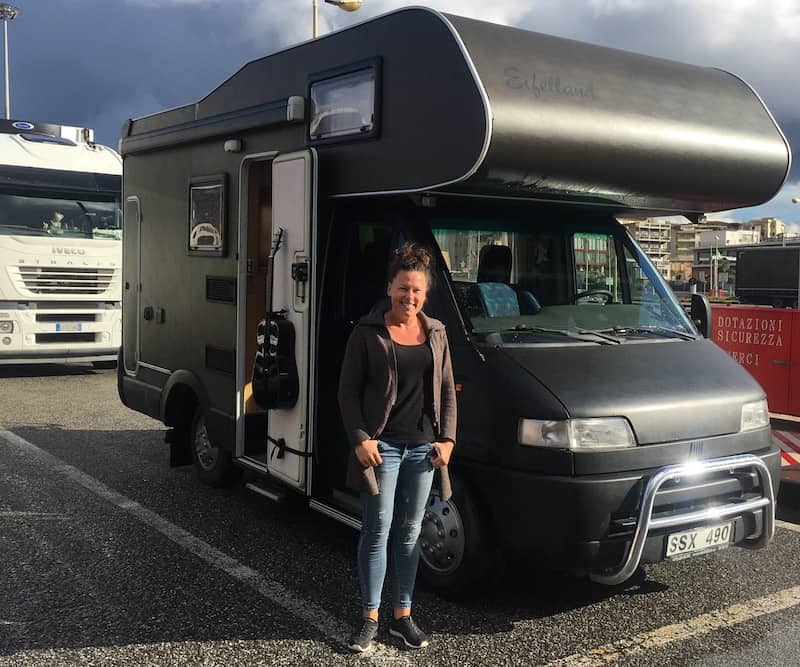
[715,274]
[345,5]
[7,13]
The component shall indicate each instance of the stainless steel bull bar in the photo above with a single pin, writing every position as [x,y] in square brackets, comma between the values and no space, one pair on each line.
[694,470]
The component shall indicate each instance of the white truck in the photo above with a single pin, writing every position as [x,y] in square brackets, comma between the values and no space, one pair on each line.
[60,245]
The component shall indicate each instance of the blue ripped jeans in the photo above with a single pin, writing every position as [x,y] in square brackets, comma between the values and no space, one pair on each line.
[394,517]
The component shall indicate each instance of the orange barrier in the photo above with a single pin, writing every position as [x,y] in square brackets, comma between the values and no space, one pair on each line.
[766,341]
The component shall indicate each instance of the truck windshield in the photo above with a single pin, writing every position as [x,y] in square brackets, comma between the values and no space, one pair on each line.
[592,282]
[63,216]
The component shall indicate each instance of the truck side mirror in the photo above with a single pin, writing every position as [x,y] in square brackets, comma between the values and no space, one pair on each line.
[701,314]
[275,380]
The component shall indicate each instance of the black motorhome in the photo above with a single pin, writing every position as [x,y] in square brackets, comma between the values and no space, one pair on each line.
[598,429]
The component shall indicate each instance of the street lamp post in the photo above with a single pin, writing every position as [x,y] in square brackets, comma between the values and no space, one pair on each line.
[7,13]
[345,5]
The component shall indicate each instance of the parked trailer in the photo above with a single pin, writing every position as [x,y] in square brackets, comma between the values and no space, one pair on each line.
[598,429]
[60,245]
[768,275]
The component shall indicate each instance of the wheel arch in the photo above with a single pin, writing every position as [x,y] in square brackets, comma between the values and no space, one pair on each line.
[182,393]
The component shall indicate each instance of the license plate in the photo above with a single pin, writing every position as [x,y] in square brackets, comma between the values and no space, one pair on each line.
[68,326]
[689,542]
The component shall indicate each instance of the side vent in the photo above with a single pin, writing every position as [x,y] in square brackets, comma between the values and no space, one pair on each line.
[219,359]
[220,289]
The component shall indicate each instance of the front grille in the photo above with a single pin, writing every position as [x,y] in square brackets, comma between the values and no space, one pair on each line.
[66,317]
[64,280]
[65,338]
[681,497]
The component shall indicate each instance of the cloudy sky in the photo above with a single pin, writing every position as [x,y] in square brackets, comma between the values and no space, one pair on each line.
[95,63]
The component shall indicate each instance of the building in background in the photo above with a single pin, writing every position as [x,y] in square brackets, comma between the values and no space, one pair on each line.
[770,228]
[653,235]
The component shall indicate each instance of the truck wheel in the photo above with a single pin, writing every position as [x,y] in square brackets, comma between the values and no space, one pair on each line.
[459,556]
[214,465]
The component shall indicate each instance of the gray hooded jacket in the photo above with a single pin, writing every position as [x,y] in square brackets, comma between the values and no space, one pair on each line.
[368,385]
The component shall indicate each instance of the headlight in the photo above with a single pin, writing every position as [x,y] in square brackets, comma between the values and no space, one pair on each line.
[755,415]
[600,433]
[6,326]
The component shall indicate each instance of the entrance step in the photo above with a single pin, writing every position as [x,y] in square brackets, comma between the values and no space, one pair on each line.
[273,492]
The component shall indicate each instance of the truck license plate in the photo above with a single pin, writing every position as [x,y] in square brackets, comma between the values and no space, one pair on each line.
[68,326]
[689,542]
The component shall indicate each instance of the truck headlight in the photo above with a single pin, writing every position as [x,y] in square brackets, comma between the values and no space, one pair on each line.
[755,415]
[577,434]
[6,326]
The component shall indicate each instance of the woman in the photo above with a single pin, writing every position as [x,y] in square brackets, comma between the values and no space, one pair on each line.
[398,404]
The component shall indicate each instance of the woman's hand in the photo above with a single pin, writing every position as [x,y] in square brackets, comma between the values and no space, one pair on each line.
[367,454]
[441,453]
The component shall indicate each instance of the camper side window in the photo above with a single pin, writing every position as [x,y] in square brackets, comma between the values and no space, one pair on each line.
[344,105]
[207,216]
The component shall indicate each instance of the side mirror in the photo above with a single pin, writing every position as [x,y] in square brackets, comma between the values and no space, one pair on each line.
[700,313]
[275,381]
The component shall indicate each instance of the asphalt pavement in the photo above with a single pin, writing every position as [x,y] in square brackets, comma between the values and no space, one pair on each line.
[109,557]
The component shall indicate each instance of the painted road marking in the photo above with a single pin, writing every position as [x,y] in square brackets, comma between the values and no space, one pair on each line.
[788,526]
[309,612]
[694,627]
[789,445]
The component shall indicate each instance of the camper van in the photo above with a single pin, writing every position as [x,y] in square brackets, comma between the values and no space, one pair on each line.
[599,427]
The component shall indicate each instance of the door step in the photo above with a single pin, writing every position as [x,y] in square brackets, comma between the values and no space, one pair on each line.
[268,491]
[335,513]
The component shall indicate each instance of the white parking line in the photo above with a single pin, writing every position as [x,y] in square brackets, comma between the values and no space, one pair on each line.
[275,592]
[788,526]
[694,627]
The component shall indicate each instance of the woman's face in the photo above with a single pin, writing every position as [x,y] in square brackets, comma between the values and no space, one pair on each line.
[407,291]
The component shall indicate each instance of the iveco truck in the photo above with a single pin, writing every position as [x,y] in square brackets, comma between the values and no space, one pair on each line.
[599,426]
[60,245]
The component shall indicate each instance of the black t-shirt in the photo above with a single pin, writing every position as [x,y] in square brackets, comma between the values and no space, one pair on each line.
[410,420]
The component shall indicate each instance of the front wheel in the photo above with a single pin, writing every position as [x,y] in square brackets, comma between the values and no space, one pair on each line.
[458,554]
[214,465]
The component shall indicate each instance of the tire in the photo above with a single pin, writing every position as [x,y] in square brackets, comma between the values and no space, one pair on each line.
[458,553]
[214,465]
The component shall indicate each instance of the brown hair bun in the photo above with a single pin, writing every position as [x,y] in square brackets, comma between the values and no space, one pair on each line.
[410,256]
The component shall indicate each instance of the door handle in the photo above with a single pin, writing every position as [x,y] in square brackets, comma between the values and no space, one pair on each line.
[148,313]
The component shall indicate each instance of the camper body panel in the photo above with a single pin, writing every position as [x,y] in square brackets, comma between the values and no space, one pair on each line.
[584,122]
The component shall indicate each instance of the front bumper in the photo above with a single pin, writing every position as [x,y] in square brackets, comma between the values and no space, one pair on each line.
[604,523]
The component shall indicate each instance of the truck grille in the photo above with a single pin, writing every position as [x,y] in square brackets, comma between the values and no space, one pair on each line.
[66,338]
[64,280]
[66,317]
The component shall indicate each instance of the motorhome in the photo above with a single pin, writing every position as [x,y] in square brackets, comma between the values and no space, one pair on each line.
[60,245]
[599,426]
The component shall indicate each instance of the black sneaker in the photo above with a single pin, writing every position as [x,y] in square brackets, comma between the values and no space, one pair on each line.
[407,630]
[364,633]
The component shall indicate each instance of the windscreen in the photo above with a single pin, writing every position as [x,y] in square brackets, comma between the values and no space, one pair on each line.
[569,281]
[62,216]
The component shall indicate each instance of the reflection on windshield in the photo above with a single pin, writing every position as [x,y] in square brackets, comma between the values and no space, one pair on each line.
[512,277]
[23,215]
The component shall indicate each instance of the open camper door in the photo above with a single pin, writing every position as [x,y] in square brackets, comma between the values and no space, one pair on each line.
[293,188]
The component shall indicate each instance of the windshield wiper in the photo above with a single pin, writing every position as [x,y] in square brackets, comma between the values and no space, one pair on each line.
[651,329]
[579,334]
